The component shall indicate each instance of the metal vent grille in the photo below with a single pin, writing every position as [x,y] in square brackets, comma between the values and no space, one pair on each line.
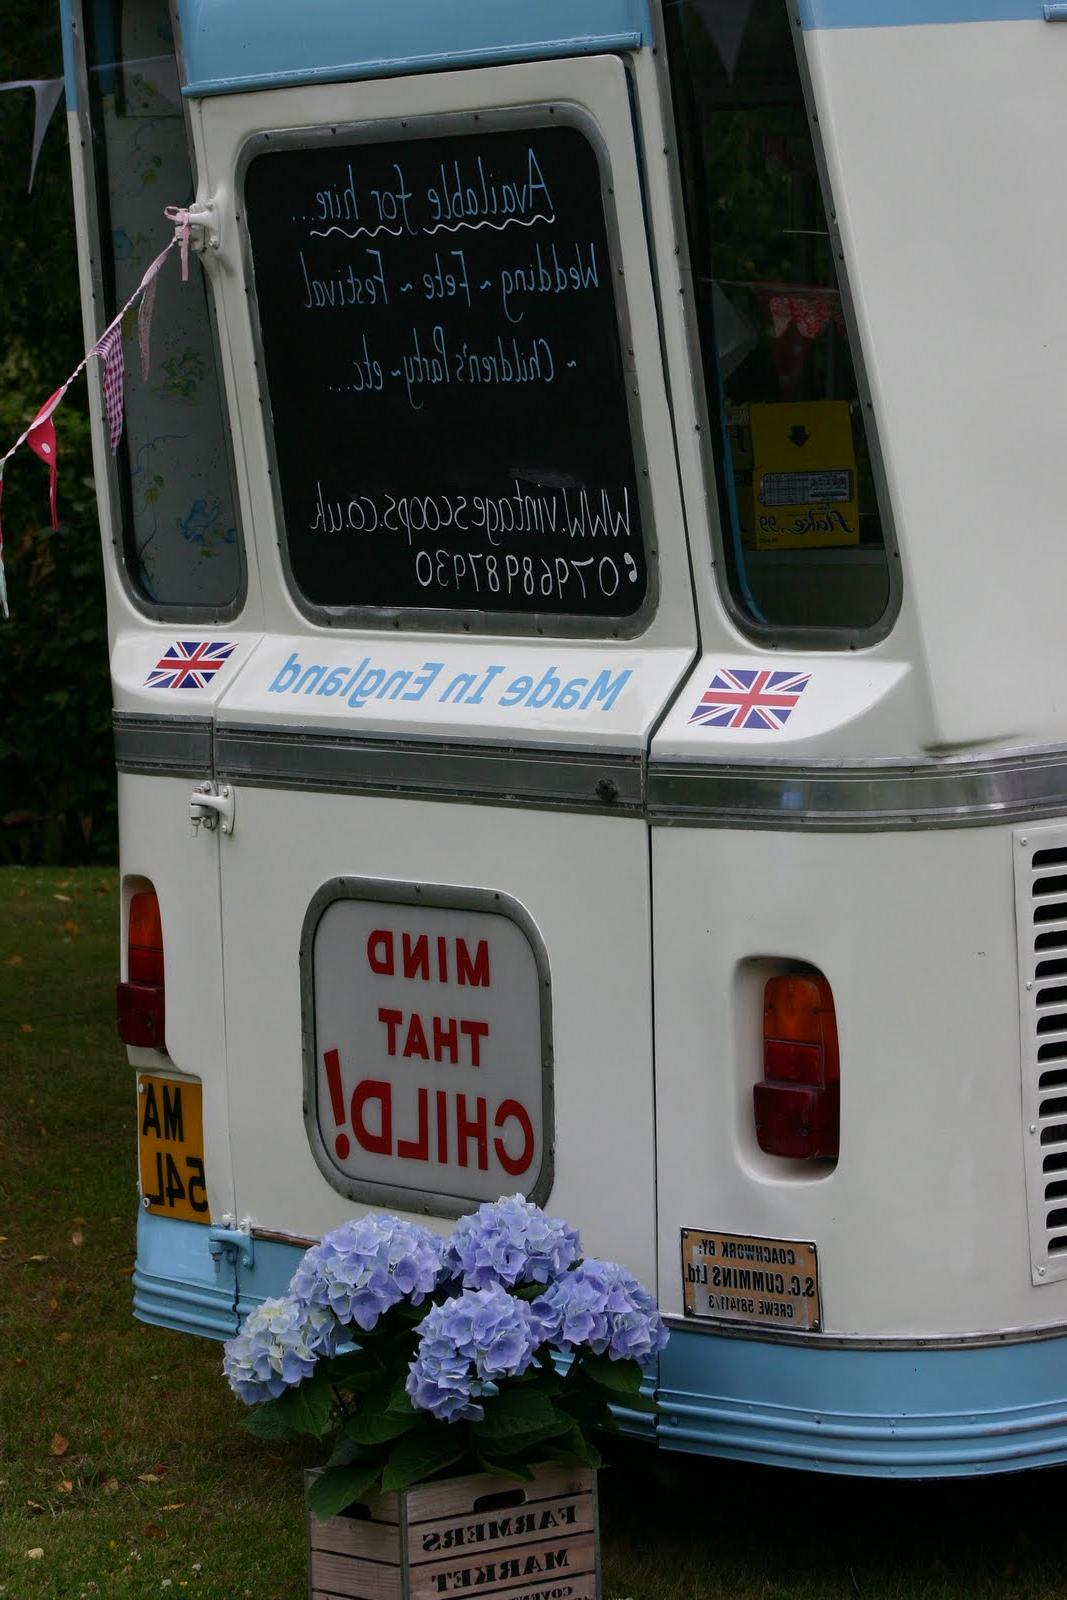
[1041,920]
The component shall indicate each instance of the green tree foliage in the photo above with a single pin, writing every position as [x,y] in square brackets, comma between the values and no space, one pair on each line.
[57,786]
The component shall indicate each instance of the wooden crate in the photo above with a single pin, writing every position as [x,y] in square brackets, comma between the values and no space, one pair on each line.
[484,1534]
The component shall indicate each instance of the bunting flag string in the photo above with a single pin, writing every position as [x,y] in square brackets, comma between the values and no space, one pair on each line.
[40,433]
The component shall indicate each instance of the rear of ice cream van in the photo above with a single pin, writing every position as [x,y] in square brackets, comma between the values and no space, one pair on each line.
[573,570]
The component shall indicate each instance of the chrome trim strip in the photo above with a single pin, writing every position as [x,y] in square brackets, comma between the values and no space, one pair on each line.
[173,745]
[947,1444]
[611,781]
[827,796]
[722,1329]
[884,795]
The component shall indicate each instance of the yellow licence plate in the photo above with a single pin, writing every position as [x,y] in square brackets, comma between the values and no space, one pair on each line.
[170,1146]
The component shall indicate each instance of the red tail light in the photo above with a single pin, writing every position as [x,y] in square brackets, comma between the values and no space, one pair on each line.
[141,1007]
[798,1104]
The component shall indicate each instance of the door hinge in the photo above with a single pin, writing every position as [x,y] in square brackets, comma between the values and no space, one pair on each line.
[232,1244]
[211,806]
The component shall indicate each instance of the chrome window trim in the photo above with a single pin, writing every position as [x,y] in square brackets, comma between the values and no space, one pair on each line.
[769,634]
[454,619]
[117,511]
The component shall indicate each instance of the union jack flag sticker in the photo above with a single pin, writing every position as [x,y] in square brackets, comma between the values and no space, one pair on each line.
[751,698]
[189,664]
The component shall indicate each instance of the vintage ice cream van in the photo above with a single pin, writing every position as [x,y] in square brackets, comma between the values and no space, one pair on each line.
[585,575]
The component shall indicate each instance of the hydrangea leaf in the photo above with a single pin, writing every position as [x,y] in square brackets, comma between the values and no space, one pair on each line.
[517,1411]
[576,1448]
[400,1401]
[375,1422]
[640,1402]
[303,1410]
[421,1454]
[355,1370]
[527,1444]
[505,1469]
[624,1377]
[335,1489]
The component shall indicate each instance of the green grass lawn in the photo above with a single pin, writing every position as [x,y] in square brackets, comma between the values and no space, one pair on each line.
[122,1459]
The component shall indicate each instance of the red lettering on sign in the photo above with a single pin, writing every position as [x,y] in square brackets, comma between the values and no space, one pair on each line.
[466,1129]
[416,956]
[442,1127]
[475,1031]
[331,1060]
[512,1111]
[372,1120]
[445,1032]
[474,972]
[392,1020]
[445,1038]
[415,959]
[415,1043]
[380,1143]
[418,1149]
[380,952]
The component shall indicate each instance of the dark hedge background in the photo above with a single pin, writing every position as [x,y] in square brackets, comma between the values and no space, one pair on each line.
[57,782]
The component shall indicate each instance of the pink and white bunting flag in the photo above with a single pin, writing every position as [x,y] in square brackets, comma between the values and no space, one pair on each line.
[144,310]
[109,348]
[40,433]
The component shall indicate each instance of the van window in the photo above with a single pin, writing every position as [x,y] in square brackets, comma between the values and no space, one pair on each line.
[449,401]
[175,497]
[802,534]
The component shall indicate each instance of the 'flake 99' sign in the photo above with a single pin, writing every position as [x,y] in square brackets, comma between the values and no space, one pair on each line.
[427,1046]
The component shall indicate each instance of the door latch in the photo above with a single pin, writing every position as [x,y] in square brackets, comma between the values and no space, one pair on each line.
[234,1244]
[212,807]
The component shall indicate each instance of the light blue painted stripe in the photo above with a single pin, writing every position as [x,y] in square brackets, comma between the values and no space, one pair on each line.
[66,26]
[176,1284]
[274,1264]
[910,13]
[251,44]
[891,1412]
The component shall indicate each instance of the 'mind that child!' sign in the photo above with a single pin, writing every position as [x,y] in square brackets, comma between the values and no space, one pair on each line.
[446,381]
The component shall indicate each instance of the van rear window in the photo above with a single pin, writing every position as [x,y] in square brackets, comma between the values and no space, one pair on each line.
[176,510]
[449,401]
[803,544]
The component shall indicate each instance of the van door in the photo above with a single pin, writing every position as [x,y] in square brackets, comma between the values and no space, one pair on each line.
[460,477]
[179,613]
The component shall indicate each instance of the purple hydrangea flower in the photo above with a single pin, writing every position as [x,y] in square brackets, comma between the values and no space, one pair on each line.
[465,1346]
[277,1347]
[363,1268]
[601,1308]
[510,1241]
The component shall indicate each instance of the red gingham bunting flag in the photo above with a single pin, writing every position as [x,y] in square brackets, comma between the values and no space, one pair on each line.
[109,348]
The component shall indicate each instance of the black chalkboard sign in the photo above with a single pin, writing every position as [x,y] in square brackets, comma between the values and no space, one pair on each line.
[444,373]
